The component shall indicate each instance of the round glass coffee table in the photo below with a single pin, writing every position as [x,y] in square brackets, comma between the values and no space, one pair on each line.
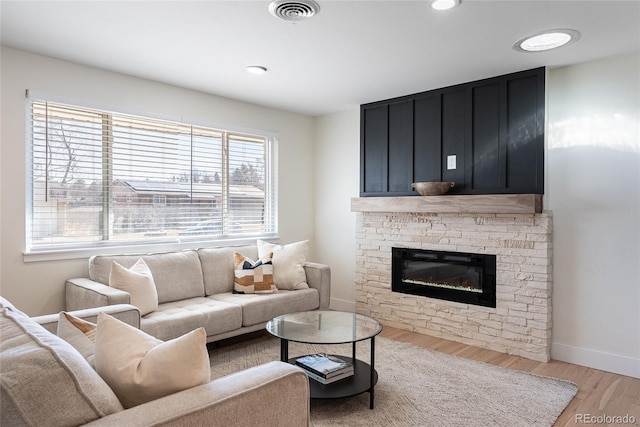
[331,327]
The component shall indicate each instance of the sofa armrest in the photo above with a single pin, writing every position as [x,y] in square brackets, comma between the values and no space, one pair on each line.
[319,277]
[124,312]
[270,395]
[85,293]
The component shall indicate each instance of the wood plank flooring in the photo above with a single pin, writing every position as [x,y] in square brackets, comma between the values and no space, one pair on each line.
[600,393]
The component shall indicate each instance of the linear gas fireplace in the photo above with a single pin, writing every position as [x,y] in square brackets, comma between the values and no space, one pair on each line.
[453,276]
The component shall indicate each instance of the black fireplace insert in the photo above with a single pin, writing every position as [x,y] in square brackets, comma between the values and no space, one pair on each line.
[453,276]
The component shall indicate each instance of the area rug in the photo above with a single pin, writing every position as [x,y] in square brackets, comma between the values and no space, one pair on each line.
[418,387]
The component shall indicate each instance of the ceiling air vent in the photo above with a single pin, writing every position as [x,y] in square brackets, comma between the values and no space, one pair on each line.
[294,11]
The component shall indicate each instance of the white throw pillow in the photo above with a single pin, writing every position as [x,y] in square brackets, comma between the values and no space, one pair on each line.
[288,262]
[79,333]
[138,282]
[140,368]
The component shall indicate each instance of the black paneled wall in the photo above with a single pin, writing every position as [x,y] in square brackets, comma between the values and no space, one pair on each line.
[486,136]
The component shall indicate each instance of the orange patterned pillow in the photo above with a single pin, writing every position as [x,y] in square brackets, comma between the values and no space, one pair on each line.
[253,277]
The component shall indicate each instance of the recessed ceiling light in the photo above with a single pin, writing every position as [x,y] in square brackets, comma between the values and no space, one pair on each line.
[256,69]
[546,40]
[444,4]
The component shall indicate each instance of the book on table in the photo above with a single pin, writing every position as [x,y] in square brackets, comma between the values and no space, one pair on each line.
[323,380]
[325,366]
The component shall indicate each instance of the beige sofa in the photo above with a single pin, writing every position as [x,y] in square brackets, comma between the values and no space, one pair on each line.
[195,290]
[44,381]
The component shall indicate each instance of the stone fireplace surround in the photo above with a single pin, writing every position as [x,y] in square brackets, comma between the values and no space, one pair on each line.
[522,242]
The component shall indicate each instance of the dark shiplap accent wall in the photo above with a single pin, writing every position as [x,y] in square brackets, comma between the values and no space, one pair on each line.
[494,127]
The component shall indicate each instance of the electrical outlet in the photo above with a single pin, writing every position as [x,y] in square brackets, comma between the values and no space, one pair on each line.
[451,162]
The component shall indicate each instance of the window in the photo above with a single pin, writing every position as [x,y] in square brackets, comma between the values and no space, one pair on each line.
[159,200]
[102,178]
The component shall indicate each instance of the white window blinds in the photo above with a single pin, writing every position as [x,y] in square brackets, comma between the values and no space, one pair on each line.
[102,178]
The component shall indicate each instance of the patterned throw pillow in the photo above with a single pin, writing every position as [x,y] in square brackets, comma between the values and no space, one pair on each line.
[253,277]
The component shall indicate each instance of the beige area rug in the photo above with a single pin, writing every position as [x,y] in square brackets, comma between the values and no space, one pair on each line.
[419,387]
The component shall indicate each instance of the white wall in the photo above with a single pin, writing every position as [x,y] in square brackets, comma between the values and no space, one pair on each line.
[337,177]
[593,189]
[37,287]
[593,176]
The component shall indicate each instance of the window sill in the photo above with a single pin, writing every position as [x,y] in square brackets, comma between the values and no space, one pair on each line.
[87,252]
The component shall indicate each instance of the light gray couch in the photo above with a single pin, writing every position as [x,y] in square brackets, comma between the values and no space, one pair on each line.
[44,381]
[195,289]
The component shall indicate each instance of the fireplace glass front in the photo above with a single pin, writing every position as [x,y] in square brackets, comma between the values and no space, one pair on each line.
[454,276]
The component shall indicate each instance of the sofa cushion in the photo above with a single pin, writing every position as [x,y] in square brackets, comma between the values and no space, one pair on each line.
[44,380]
[138,282]
[168,269]
[288,263]
[140,368]
[259,308]
[253,277]
[79,333]
[176,318]
[217,266]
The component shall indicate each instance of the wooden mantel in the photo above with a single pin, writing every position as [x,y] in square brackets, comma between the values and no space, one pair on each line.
[475,204]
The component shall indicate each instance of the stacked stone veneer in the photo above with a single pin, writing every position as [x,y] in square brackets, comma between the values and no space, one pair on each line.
[521,322]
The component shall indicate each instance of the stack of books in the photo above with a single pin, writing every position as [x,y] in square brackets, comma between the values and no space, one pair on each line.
[325,368]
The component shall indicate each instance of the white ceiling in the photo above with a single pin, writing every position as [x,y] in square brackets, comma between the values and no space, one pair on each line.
[350,53]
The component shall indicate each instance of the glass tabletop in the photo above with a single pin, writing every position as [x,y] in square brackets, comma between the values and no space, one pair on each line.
[324,327]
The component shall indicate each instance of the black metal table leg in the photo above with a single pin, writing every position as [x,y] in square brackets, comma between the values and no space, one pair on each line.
[373,352]
[284,350]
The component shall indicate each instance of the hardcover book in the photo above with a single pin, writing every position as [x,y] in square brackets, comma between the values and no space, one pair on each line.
[325,365]
[323,380]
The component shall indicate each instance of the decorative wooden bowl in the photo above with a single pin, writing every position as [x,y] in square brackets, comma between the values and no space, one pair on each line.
[432,188]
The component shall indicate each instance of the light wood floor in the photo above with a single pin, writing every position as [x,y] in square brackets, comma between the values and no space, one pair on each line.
[599,393]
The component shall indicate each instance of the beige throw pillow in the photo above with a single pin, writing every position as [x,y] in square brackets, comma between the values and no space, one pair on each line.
[79,333]
[140,368]
[138,282]
[253,277]
[288,262]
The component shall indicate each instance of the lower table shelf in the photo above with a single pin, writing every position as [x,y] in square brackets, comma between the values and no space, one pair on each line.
[359,382]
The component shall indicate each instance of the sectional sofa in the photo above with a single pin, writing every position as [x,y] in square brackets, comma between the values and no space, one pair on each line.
[45,381]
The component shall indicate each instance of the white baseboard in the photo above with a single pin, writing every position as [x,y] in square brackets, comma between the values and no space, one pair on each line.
[609,362]
[342,305]
[623,365]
